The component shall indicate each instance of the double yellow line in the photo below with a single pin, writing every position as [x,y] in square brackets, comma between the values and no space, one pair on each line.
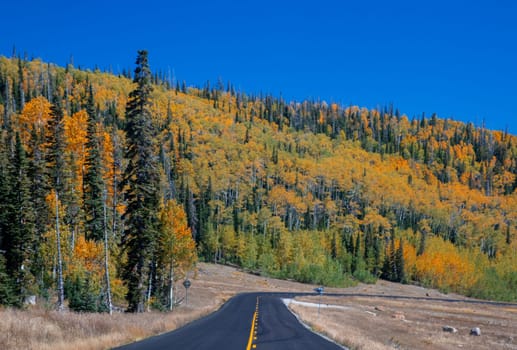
[253,331]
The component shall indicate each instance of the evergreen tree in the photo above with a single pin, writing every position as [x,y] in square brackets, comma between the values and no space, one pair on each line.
[56,141]
[393,268]
[38,174]
[19,236]
[93,182]
[390,267]
[80,295]
[141,179]
[5,186]
[7,294]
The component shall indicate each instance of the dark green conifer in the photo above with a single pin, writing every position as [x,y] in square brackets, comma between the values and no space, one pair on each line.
[399,261]
[56,141]
[7,295]
[141,179]
[93,182]
[21,254]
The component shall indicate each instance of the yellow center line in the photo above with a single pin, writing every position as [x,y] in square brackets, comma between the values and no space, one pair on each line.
[252,330]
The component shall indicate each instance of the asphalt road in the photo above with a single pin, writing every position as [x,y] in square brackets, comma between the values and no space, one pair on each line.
[276,327]
[230,328]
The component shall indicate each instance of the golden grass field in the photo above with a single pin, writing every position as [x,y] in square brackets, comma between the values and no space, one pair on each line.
[365,323]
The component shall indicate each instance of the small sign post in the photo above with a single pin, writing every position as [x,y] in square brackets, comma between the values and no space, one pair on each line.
[186,284]
[319,290]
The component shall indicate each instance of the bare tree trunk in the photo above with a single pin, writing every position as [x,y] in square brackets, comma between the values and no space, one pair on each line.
[115,184]
[106,262]
[171,286]
[60,288]
[150,289]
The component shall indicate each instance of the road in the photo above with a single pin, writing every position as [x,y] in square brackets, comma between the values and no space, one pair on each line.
[230,328]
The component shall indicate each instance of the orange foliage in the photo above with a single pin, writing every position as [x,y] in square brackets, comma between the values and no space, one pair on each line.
[443,266]
[89,254]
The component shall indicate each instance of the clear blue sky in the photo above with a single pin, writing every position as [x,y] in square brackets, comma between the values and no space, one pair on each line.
[455,58]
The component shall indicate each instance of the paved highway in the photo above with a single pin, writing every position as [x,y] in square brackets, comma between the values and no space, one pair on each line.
[247,321]
[259,321]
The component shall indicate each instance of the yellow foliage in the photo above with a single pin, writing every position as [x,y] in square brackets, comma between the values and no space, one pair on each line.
[75,138]
[177,248]
[34,116]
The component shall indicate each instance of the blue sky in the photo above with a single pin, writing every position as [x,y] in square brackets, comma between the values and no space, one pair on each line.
[455,58]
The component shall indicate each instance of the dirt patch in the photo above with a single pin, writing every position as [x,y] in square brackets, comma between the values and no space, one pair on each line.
[371,322]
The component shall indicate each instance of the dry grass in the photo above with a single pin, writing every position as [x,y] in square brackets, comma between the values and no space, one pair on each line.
[379,323]
[40,329]
[330,326]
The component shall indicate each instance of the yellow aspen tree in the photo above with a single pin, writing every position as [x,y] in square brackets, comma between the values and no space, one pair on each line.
[176,247]
[34,116]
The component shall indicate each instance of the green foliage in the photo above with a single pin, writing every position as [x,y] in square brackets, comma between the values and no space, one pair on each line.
[329,274]
[18,232]
[93,182]
[8,295]
[493,286]
[80,294]
[393,268]
[56,141]
[248,258]
[362,274]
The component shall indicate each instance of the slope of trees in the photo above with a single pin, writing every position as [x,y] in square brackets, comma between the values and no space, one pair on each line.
[308,190]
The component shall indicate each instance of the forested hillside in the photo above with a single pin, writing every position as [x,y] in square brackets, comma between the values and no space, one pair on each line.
[123,181]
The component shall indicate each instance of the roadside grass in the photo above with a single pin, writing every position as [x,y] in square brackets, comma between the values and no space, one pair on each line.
[39,329]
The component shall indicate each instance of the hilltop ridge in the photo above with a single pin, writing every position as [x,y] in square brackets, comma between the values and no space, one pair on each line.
[313,191]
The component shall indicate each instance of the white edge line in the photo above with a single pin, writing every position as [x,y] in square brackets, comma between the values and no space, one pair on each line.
[287,302]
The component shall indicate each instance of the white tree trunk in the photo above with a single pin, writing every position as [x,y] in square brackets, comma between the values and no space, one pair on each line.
[106,261]
[171,286]
[60,287]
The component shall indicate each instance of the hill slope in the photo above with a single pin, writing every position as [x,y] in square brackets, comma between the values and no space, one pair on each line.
[312,191]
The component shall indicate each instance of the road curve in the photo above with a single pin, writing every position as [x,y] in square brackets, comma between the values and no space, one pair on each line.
[276,328]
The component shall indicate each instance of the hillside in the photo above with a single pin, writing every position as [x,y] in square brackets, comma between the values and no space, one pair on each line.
[309,190]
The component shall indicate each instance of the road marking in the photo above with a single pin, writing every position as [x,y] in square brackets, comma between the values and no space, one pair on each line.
[253,331]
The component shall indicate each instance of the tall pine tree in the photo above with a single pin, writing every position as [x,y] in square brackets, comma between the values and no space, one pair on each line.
[93,182]
[56,142]
[20,235]
[141,182]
